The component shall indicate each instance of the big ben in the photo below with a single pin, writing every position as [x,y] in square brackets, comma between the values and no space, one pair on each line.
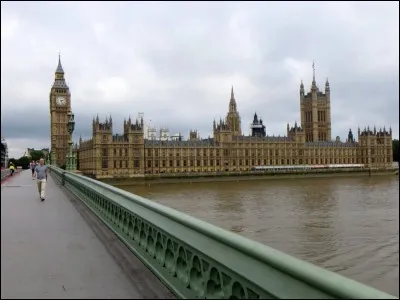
[60,105]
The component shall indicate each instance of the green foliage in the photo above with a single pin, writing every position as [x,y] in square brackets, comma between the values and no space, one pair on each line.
[37,154]
[396,150]
[24,162]
[20,162]
[13,161]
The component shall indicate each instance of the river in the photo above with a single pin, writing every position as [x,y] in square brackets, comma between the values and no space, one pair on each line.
[347,225]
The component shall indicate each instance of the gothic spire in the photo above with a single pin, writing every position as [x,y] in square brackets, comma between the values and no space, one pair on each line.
[232,102]
[301,88]
[313,68]
[59,67]
[255,119]
[314,84]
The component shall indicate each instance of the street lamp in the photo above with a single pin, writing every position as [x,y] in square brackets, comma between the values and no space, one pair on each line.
[71,123]
[53,157]
[70,126]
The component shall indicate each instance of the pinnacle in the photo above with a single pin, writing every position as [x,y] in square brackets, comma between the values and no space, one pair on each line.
[59,67]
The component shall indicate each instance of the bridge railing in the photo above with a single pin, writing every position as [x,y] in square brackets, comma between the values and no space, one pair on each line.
[195,259]
[4,173]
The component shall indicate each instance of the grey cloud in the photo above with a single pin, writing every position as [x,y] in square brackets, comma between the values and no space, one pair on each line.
[179,60]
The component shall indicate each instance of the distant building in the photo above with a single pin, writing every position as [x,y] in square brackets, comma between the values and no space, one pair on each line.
[257,127]
[164,134]
[315,112]
[4,153]
[176,137]
[194,135]
[137,151]
[29,151]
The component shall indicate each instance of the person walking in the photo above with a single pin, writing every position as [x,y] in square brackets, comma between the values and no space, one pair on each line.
[33,165]
[41,178]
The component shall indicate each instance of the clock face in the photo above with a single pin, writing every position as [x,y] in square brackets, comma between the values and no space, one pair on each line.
[61,100]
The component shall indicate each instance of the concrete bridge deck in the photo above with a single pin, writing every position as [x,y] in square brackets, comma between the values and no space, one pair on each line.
[58,249]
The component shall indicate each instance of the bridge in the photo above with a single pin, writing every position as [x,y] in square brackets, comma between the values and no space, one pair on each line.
[92,240]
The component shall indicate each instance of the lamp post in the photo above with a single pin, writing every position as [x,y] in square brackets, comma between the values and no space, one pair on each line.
[70,158]
[53,157]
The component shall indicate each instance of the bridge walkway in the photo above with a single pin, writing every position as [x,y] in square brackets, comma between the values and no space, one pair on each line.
[56,249]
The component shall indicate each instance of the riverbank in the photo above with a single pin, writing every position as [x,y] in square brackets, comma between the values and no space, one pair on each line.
[235,177]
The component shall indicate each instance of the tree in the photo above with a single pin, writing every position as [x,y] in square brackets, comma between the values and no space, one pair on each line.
[20,162]
[24,162]
[396,150]
[37,154]
[13,161]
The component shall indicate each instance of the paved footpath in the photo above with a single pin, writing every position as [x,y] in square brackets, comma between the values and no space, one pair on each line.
[49,251]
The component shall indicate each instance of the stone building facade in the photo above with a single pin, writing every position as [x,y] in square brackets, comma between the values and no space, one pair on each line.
[108,155]
[315,112]
[60,106]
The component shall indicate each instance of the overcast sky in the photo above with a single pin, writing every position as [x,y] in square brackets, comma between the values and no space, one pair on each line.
[176,62]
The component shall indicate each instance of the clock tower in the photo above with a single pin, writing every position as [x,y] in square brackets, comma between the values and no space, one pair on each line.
[60,105]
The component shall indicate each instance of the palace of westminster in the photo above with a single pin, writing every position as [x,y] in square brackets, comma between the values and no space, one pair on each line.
[132,154]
